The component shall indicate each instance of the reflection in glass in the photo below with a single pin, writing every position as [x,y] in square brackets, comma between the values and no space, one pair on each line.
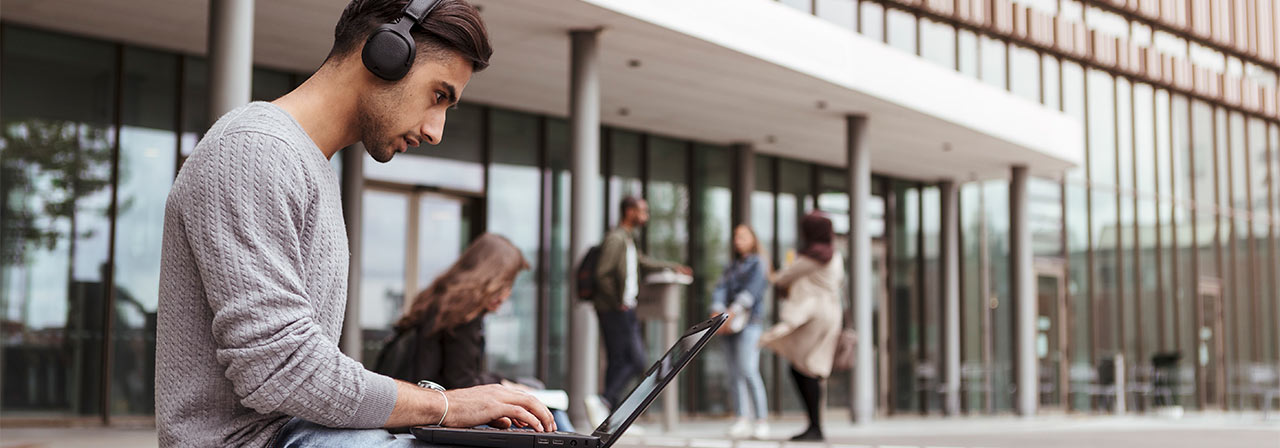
[55,178]
[1082,372]
[712,169]
[1144,134]
[383,239]
[513,204]
[1073,102]
[625,152]
[1051,90]
[148,147]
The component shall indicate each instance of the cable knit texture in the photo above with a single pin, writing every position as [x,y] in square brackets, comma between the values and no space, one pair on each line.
[253,287]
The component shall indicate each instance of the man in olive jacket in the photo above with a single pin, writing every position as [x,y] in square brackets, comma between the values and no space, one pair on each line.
[618,275]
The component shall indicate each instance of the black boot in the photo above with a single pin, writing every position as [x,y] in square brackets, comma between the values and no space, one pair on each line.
[813,434]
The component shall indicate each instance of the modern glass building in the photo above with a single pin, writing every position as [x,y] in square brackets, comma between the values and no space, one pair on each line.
[1054,186]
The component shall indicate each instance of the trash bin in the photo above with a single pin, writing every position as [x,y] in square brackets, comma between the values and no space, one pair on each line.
[1165,381]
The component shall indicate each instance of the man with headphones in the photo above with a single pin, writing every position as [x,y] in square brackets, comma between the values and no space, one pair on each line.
[255,258]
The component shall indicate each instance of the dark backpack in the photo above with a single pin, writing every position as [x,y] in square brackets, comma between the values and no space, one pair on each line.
[587,273]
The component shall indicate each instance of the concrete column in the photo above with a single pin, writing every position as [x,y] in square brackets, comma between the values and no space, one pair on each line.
[1024,297]
[352,213]
[230,55]
[950,282]
[864,388]
[744,182]
[585,228]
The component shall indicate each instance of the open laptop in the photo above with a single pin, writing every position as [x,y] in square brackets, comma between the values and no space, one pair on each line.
[655,379]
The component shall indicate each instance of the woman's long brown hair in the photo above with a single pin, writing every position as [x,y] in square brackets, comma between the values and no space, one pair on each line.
[487,268]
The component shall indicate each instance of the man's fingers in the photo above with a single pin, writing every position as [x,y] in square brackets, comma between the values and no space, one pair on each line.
[502,423]
[539,410]
[522,415]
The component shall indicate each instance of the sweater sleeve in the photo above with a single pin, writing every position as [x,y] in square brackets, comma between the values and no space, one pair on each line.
[245,223]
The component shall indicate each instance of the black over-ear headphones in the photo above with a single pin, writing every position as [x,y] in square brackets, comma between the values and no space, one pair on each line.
[389,51]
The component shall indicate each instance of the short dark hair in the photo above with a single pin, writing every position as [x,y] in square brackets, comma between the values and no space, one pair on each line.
[454,25]
[629,203]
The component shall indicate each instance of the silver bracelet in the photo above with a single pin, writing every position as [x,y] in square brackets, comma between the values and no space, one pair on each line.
[438,388]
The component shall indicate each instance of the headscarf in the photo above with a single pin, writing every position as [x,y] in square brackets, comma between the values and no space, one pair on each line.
[817,232]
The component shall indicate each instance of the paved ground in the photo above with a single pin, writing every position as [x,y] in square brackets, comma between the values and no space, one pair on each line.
[1194,430]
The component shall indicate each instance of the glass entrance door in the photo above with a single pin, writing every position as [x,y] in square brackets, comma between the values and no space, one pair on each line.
[1050,339]
[1210,368]
[407,239]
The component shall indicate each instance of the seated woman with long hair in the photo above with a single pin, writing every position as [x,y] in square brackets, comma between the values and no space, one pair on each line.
[441,337]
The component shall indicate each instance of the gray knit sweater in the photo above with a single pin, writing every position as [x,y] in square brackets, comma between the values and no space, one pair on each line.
[253,285]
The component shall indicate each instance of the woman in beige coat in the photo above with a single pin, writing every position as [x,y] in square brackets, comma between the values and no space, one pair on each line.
[809,317]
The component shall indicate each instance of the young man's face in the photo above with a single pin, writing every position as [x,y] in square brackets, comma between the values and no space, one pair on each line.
[639,214]
[410,112]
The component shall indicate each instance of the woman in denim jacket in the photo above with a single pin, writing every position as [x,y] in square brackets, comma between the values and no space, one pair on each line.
[740,293]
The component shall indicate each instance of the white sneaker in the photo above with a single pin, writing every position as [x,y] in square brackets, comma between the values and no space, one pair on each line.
[741,429]
[761,431]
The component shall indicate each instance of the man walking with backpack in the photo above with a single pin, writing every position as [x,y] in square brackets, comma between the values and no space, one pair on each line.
[617,285]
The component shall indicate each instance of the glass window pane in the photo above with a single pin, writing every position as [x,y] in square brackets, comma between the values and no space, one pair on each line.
[974,374]
[968,53]
[1239,159]
[803,5]
[195,102]
[1073,101]
[1045,6]
[1052,90]
[938,43]
[384,237]
[1163,145]
[1101,128]
[993,62]
[1222,160]
[1144,135]
[1106,21]
[1259,163]
[625,152]
[872,21]
[712,184]
[839,12]
[1024,71]
[1182,147]
[148,147]
[454,164]
[996,202]
[1078,274]
[513,199]
[270,84]
[1124,134]
[560,163]
[668,197]
[58,102]
[1106,274]
[902,30]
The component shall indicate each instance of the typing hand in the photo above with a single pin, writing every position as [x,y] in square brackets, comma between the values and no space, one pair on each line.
[498,406]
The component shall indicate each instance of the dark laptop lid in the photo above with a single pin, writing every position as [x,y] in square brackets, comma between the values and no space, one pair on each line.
[657,378]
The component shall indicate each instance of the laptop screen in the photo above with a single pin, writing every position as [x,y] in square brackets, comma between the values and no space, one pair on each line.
[658,375]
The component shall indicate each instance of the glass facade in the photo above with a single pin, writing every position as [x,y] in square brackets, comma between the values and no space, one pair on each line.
[1164,240]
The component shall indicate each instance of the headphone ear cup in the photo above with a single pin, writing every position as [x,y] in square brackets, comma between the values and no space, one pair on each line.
[388,53]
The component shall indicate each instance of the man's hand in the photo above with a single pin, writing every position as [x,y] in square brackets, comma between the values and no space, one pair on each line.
[498,406]
[685,270]
[495,405]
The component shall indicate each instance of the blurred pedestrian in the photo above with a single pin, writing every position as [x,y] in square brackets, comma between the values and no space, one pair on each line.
[740,293]
[809,317]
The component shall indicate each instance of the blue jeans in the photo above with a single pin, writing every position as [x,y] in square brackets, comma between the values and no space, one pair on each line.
[299,433]
[744,371]
[625,352]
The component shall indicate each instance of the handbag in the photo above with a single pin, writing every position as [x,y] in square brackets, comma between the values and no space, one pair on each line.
[846,350]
